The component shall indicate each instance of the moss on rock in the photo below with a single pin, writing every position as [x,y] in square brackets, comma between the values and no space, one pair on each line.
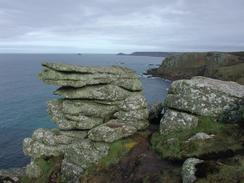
[50,170]
[176,145]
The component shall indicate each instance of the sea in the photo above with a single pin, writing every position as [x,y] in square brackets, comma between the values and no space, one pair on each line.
[23,98]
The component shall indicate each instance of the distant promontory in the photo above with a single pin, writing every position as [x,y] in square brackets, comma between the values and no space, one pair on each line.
[218,65]
[151,54]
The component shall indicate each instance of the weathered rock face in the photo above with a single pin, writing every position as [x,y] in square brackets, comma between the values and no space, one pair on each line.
[99,105]
[222,66]
[200,96]
[189,170]
[12,175]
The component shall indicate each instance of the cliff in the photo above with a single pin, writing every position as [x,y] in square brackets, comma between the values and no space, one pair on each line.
[223,66]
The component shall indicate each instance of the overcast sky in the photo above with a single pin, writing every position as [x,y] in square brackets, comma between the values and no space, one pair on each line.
[111,26]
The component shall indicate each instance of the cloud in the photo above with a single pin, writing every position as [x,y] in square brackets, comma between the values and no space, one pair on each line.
[113,26]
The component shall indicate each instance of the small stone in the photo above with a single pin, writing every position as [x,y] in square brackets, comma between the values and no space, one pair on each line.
[200,136]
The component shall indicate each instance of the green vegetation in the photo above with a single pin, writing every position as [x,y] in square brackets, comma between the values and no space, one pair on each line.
[229,171]
[233,73]
[50,170]
[117,150]
[175,145]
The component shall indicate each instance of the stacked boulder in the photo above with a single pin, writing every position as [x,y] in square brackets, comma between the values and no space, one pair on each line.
[98,106]
[187,100]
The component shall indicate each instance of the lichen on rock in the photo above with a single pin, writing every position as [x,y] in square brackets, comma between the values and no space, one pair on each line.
[98,106]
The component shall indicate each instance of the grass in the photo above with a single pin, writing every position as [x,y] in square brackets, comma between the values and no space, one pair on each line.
[174,146]
[230,171]
[118,149]
[233,72]
[48,166]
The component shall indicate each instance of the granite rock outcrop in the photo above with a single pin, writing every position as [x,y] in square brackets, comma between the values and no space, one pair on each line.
[97,106]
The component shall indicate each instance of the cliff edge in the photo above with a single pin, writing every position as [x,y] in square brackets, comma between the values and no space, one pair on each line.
[223,66]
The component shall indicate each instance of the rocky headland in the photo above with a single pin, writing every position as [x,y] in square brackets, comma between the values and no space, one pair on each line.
[218,65]
[107,133]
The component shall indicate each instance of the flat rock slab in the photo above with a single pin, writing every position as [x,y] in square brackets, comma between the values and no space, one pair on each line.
[80,76]
[78,114]
[51,142]
[204,96]
[111,131]
[102,92]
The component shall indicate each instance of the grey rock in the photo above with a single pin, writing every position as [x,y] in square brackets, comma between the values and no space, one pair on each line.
[89,108]
[77,150]
[189,170]
[102,92]
[70,172]
[99,105]
[33,170]
[80,76]
[132,115]
[133,102]
[46,142]
[204,96]
[88,70]
[175,120]
[86,152]
[111,131]
[78,114]
[11,175]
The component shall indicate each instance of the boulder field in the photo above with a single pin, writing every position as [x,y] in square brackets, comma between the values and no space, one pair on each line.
[218,65]
[97,106]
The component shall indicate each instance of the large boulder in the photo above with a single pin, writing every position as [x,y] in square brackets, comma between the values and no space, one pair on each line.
[73,146]
[200,96]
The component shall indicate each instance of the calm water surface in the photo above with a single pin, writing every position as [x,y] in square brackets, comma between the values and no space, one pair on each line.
[23,97]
